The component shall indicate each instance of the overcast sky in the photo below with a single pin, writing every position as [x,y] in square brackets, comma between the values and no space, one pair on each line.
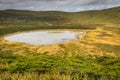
[59,5]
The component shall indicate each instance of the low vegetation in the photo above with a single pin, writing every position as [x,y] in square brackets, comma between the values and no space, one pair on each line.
[56,67]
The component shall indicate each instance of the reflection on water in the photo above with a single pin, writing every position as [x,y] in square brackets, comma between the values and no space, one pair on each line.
[45,37]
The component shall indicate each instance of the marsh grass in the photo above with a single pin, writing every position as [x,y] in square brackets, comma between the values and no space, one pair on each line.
[55,67]
[73,60]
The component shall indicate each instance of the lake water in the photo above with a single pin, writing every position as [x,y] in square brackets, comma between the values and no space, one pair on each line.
[44,37]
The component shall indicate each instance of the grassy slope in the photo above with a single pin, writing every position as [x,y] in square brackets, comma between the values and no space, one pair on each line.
[21,20]
[86,17]
[54,16]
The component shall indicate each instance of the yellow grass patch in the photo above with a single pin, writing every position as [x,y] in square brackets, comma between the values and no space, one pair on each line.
[95,42]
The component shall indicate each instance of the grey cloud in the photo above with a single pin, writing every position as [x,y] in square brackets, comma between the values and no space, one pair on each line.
[61,5]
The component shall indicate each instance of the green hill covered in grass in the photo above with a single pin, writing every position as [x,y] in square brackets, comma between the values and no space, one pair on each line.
[22,20]
[106,16]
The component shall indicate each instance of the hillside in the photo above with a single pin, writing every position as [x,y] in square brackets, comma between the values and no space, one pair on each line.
[106,16]
[22,20]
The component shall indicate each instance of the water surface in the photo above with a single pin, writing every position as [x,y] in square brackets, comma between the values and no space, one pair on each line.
[44,37]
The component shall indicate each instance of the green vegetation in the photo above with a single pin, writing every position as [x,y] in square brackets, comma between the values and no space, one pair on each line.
[60,18]
[96,56]
[76,67]
[21,20]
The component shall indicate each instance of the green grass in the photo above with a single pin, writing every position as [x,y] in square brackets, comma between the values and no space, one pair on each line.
[22,20]
[108,48]
[75,66]
[54,17]
[7,29]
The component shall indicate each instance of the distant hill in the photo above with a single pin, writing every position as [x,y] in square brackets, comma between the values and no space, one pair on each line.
[100,17]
